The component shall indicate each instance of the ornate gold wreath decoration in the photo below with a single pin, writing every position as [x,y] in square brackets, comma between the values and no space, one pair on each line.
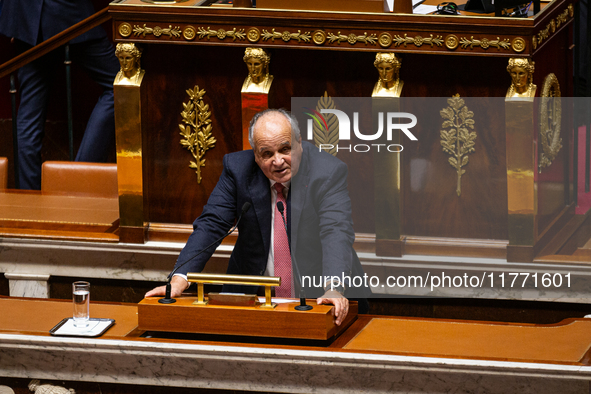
[196,131]
[550,119]
[457,140]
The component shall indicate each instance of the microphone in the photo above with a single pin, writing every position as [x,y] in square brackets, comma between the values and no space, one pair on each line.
[167,298]
[302,306]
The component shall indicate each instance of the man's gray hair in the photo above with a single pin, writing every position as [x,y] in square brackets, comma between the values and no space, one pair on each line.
[295,128]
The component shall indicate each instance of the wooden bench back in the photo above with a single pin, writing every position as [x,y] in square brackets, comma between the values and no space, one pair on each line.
[3,172]
[90,179]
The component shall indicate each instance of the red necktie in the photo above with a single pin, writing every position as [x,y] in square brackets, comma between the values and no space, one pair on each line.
[281,254]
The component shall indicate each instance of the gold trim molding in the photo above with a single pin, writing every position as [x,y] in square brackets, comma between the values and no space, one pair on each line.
[319,37]
[385,39]
[322,37]
[451,42]
[189,33]
[550,121]
[196,131]
[157,31]
[544,34]
[562,18]
[352,38]
[418,40]
[485,43]
[221,33]
[518,44]
[125,29]
[456,138]
[286,35]
[552,26]
[253,34]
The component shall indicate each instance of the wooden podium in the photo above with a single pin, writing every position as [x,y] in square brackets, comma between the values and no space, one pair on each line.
[281,322]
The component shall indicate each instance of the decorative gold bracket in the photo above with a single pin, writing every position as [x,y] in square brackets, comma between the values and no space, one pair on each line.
[458,141]
[220,279]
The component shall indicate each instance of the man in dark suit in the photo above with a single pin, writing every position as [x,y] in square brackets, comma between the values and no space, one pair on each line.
[30,23]
[318,214]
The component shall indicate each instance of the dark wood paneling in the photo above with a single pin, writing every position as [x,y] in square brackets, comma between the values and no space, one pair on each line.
[444,76]
[431,205]
[172,192]
[553,181]
[171,189]
[301,73]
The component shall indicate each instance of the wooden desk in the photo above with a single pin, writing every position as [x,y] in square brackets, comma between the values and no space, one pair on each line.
[58,216]
[38,316]
[376,354]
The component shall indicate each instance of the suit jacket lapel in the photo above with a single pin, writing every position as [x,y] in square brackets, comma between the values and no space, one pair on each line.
[297,197]
[260,193]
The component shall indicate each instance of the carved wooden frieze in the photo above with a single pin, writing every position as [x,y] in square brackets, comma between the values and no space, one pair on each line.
[562,18]
[329,38]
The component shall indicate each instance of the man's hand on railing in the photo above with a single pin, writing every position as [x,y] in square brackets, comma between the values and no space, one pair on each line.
[178,286]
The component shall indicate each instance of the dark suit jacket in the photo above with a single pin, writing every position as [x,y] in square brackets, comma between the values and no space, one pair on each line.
[34,21]
[319,217]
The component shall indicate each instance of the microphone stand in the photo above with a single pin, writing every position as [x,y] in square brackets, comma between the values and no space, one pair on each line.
[303,306]
[167,296]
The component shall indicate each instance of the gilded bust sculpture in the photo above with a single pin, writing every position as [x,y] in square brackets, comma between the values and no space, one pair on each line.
[258,79]
[521,71]
[129,58]
[389,83]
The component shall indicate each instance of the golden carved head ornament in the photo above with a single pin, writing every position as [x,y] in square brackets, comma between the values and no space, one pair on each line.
[527,64]
[257,53]
[131,48]
[388,57]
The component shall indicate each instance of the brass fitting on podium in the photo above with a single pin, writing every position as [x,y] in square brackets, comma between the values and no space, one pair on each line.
[223,279]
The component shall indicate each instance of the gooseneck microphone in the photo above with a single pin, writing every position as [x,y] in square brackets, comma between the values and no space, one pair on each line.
[167,298]
[302,306]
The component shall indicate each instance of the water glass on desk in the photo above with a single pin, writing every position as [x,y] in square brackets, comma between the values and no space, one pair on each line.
[81,298]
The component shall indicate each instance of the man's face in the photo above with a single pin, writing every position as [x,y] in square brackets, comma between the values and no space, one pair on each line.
[274,152]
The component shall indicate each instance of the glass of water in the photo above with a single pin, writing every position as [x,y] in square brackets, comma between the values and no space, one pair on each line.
[81,298]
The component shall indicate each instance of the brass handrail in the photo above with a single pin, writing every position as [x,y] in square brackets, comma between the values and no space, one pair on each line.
[54,42]
[254,280]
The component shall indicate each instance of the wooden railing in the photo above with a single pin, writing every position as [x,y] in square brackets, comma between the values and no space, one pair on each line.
[54,42]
